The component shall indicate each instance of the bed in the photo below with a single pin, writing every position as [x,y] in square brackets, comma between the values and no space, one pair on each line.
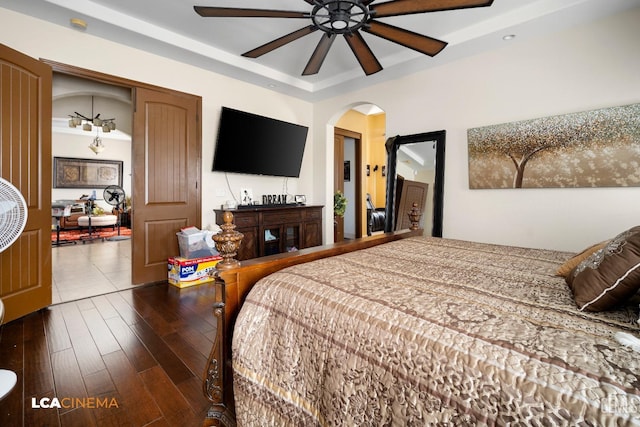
[421,331]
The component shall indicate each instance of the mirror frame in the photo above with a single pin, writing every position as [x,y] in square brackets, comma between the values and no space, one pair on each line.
[392,145]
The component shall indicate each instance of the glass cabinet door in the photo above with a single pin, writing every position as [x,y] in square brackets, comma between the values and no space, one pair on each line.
[272,241]
[292,238]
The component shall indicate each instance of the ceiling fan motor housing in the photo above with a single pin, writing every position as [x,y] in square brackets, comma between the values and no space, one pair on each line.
[340,16]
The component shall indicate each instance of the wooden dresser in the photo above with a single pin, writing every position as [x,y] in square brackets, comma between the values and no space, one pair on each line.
[276,229]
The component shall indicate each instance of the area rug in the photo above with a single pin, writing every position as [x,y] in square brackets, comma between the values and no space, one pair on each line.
[96,233]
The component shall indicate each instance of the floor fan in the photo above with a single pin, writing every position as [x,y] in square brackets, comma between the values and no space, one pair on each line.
[115,196]
[13,218]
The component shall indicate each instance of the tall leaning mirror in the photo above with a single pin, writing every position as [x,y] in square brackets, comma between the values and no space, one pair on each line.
[415,173]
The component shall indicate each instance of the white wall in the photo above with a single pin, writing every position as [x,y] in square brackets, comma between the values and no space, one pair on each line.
[41,39]
[588,67]
[591,66]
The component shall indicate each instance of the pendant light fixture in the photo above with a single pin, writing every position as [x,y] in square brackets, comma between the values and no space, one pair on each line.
[96,145]
[88,124]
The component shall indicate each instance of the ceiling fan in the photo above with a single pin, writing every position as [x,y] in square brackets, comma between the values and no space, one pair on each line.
[348,17]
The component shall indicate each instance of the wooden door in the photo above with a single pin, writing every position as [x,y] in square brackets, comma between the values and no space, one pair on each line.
[25,161]
[412,192]
[338,182]
[166,177]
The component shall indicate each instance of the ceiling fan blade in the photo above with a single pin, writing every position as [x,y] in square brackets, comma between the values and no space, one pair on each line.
[363,53]
[268,47]
[231,12]
[317,58]
[407,7]
[427,45]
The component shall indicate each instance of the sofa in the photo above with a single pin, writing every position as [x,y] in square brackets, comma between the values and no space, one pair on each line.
[71,221]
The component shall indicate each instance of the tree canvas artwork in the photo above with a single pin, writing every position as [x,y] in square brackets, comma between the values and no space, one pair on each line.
[598,148]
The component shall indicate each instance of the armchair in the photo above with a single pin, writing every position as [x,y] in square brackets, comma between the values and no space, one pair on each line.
[375,217]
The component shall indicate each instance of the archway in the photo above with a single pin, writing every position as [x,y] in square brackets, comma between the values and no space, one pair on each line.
[369,121]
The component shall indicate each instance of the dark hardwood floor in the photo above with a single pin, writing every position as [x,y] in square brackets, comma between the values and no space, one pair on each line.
[144,349]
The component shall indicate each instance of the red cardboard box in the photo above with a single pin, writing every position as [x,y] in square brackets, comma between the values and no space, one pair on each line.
[185,272]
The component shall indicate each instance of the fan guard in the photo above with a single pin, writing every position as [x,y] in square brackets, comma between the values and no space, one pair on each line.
[114,195]
[13,214]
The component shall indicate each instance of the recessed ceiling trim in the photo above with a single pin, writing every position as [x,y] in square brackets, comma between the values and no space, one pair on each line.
[527,18]
[113,17]
[530,12]
[147,29]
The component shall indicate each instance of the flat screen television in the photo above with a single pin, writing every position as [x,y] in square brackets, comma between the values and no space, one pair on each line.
[257,145]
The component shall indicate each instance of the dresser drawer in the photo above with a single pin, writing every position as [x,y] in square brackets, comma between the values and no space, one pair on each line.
[245,220]
[281,217]
[313,213]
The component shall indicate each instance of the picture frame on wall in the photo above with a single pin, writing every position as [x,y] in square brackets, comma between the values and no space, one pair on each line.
[71,172]
[586,149]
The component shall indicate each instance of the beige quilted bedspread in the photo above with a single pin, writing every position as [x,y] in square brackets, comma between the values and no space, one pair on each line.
[428,331]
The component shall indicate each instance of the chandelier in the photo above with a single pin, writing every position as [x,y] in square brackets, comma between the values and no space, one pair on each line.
[106,125]
[88,124]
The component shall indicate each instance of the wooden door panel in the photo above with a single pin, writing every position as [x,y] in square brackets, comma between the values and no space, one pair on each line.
[166,175]
[412,192]
[249,247]
[25,161]
[312,234]
[155,237]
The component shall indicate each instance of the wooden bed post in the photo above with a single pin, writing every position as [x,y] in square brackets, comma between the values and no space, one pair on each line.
[217,385]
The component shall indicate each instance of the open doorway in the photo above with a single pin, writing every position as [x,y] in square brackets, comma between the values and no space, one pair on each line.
[91,245]
[165,169]
[359,167]
[347,181]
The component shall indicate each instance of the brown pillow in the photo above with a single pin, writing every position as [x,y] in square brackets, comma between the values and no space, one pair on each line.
[609,276]
[573,262]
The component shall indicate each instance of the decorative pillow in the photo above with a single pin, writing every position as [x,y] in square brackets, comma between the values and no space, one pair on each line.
[610,275]
[573,262]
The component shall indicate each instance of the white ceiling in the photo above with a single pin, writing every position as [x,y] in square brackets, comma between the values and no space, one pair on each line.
[172,28]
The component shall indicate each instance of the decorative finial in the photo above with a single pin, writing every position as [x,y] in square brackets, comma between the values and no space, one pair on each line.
[414,216]
[227,243]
